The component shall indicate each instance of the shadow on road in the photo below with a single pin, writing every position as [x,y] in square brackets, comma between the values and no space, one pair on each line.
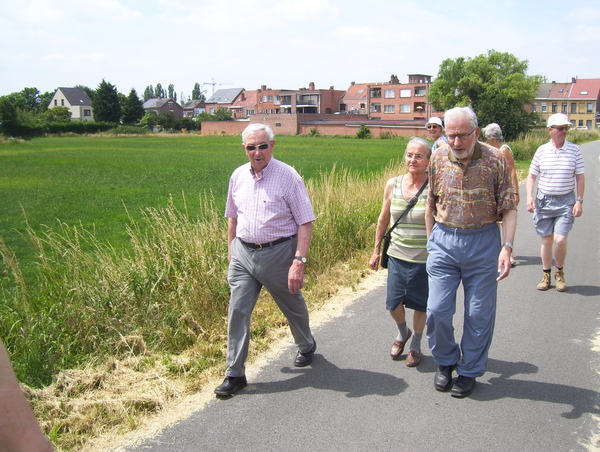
[581,400]
[354,382]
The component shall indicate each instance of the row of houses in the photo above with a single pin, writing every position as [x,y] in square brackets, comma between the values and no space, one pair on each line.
[391,105]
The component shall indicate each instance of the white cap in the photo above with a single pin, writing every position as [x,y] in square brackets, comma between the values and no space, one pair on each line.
[558,120]
[435,120]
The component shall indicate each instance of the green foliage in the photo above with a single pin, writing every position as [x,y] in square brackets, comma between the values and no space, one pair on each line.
[223,114]
[495,85]
[127,130]
[314,133]
[8,117]
[106,103]
[167,120]
[148,93]
[159,92]
[132,108]
[56,114]
[388,135]
[149,120]
[171,92]
[197,93]
[363,132]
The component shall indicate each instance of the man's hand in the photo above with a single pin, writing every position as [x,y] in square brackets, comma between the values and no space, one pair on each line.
[504,263]
[296,276]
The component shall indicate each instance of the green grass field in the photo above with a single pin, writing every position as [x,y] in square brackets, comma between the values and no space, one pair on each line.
[99,182]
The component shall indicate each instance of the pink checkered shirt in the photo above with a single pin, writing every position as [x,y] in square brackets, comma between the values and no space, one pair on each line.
[270,207]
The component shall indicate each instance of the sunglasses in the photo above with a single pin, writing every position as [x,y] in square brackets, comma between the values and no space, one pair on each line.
[561,128]
[262,147]
[433,126]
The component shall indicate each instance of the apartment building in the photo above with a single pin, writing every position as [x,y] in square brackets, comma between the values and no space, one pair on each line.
[578,99]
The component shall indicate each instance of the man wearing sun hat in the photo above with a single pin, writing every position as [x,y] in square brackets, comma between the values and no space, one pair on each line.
[558,168]
[435,128]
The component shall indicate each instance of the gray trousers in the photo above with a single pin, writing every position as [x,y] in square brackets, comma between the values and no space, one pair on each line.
[250,270]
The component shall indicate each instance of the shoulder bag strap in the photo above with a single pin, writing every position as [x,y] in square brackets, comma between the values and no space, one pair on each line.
[411,204]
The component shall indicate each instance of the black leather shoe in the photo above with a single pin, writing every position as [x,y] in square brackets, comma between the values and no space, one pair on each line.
[443,378]
[463,387]
[304,359]
[230,385]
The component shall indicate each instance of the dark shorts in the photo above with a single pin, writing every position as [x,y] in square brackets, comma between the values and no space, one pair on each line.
[407,284]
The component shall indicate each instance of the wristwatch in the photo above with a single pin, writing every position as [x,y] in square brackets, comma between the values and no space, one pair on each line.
[508,244]
[301,259]
[580,199]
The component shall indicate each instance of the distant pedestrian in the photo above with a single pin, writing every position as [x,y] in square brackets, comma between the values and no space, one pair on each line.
[269,232]
[493,136]
[407,275]
[558,168]
[435,128]
[470,189]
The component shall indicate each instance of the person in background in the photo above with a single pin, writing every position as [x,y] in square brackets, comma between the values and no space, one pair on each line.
[558,168]
[269,232]
[470,189]
[493,136]
[19,430]
[435,128]
[407,276]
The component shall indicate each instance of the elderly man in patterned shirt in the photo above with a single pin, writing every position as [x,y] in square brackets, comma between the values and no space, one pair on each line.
[558,168]
[269,232]
[470,189]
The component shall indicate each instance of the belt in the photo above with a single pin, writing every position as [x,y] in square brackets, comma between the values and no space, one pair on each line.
[260,246]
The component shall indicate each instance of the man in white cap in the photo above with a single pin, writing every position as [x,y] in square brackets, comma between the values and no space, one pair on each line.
[435,128]
[558,168]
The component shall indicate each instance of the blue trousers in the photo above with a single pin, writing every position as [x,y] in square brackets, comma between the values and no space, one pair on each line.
[469,256]
[250,270]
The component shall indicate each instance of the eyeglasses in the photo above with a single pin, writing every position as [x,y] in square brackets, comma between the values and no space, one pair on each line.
[561,128]
[417,157]
[433,126]
[262,147]
[461,136]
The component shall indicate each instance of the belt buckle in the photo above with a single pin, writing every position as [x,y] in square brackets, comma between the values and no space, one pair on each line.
[260,247]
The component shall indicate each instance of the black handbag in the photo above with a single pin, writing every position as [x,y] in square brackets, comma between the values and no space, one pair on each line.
[383,260]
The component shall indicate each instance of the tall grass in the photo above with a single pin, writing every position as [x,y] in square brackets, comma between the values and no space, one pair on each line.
[169,291]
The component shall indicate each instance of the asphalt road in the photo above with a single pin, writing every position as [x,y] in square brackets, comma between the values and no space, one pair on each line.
[541,391]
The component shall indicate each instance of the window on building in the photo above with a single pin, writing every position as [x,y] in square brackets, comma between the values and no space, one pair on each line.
[405,108]
[277,124]
[544,107]
[62,102]
[535,107]
[270,98]
[362,106]
[584,93]
[87,112]
[56,102]
[250,111]
[420,91]
[389,93]
[405,93]
[388,109]
[212,110]
[590,107]
[554,107]
[588,123]
[573,107]
[170,105]
[376,93]
[581,122]
[375,108]
[565,107]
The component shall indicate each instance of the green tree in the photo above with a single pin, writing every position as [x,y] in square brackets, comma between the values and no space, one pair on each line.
[172,93]
[167,120]
[9,123]
[495,85]
[197,93]
[223,114]
[363,132]
[148,93]
[159,92]
[106,103]
[56,114]
[132,108]
[149,119]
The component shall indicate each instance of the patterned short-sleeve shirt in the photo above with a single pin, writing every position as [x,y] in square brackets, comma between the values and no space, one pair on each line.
[471,197]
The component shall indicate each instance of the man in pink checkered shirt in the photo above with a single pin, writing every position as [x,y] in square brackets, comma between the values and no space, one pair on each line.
[269,232]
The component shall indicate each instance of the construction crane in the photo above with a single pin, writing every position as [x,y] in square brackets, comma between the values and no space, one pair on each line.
[213,83]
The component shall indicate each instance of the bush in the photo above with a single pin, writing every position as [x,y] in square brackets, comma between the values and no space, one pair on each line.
[363,132]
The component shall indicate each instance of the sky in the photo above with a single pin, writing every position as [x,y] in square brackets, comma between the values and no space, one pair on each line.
[283,44]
